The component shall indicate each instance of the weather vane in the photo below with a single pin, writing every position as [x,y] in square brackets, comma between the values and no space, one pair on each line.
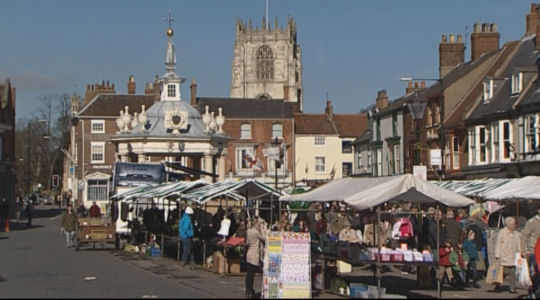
[170,20]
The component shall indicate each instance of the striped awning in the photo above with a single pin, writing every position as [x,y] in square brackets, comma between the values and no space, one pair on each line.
[473,188]
[162,190]
[232,189]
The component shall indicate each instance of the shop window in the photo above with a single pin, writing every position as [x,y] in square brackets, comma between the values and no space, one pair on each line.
[347,169]
[97,190]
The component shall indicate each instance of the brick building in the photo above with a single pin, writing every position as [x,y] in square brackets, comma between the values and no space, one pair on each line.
[7,141]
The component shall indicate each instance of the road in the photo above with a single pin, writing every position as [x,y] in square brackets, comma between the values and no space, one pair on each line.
[35,263]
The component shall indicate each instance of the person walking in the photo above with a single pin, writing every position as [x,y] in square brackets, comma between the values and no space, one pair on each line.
[255,235]
[69,224]
[29,212]
[506,247]
[185,231]
[19,203]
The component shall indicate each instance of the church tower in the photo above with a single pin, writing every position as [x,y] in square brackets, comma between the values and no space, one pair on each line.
[267,63]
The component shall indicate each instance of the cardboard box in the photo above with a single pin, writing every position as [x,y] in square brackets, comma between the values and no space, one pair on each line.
[234,266]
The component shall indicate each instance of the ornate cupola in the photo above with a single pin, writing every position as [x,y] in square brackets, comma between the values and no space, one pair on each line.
[170,81]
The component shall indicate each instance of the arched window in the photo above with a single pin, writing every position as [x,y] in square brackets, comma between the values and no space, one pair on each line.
[265,63]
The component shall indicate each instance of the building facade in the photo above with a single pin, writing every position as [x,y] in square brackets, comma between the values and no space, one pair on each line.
[324,145]
[7,141]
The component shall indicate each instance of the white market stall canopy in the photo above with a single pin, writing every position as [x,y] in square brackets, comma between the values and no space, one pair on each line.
[232,189]
[162,190]
[526,188]
[364,193]
[472,188]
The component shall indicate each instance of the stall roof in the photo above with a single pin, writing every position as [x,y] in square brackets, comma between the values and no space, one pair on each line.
[233,189]
[136,190]
[526,188]
[472,188]
[364,193]
[162,190]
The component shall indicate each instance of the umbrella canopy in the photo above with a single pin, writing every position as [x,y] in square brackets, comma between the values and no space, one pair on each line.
[364,193]
[162,190]
[134,191]
[523,188]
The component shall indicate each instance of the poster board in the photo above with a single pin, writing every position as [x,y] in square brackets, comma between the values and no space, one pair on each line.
[287,266]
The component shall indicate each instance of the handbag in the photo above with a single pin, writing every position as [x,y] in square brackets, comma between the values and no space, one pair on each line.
[494,274]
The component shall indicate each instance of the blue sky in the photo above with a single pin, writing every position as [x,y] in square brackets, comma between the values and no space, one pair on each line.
[350,48]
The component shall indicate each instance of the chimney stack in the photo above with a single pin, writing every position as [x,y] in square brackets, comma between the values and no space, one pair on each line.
[92,90]
[193,88]
[131,85]
[329,110]
[531,20]
[382,99]
[451,53]
[484,39]
[149,89]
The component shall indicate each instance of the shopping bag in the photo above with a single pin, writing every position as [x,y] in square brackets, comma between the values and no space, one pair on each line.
[522,271]
[494,274]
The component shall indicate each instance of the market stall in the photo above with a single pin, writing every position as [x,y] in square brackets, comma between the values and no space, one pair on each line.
[369,193]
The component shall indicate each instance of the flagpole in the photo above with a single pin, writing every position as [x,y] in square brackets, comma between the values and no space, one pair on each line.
[267,21]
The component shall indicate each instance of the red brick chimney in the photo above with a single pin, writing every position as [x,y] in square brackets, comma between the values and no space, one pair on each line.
[531,20]
[131,85]
[382,99]
[92,90]
[451,53]
[329,110]
[484,39]
[193,95]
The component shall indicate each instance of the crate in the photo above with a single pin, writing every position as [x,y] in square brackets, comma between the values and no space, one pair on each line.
[358,290]
[154,252]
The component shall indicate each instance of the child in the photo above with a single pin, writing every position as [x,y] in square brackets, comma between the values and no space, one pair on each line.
[445,267]
[459,260]
[470,248]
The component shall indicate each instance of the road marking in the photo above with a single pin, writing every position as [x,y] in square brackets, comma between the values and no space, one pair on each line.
[90,278]
[150,296]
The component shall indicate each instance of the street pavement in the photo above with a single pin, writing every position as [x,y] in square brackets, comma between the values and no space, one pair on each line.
[35,263]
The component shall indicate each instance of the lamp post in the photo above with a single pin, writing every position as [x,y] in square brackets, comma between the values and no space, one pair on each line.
[442,141]
[277,162]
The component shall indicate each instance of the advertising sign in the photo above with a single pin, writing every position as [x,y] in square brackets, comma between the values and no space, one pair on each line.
[287,266]
[420,172]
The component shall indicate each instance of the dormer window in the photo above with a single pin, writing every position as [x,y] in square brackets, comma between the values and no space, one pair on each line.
[488,90]
[517,83]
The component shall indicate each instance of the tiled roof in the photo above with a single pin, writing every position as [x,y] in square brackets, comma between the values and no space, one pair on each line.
[460,111]
[351,125]
[367,135]
[502,101]
[110,105]
[313,123]
[234,108]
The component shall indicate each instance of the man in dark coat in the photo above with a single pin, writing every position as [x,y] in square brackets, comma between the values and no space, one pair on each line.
[454,230]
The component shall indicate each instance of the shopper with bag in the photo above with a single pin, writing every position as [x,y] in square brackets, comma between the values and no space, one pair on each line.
[255,236]
[506,247]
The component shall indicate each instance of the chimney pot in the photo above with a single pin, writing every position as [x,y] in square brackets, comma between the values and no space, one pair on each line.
[131,85]
[452,38]
[443,39]
[459,38]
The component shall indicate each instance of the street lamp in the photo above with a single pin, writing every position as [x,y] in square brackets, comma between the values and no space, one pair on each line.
[442,142]
[416,108]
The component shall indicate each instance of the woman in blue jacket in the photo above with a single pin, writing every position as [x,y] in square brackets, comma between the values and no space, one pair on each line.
[185,231]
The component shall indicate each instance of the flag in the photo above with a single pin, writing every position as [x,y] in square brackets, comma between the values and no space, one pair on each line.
[333,172]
